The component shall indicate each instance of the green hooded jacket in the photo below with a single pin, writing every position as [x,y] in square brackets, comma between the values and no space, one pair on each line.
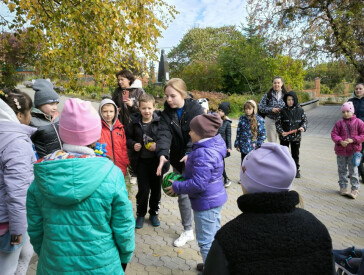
[80,220]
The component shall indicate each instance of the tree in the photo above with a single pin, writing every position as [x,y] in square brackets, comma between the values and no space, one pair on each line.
[95,35]
[308,28]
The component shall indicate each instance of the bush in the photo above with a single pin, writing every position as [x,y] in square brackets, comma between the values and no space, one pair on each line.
[324,89]
[303,97]
[8,76]
[154,89]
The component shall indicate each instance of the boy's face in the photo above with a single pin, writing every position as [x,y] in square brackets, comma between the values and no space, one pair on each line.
[290,101]
[221,113]
[108,113]
[194,137]
[347,114]
[146,109]
[49,108]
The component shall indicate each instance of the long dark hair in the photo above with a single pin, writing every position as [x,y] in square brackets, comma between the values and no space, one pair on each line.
[127,74]
[271,90]
[18,101]
[124,115]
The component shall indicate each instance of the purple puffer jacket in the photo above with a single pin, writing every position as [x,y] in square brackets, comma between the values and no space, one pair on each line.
[16,169]
[340,132]
[203,174]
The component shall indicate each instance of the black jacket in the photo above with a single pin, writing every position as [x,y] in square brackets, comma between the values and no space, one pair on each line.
[358,106]
[291,118]
[225,132]
[173,139]
[272,236]
[46,139]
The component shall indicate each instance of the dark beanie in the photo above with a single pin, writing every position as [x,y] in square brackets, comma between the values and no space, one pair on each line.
[44,92]
[206,125]
[225,107]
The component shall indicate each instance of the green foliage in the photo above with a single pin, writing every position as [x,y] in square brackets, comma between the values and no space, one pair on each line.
[324,89]
[8,76]
[303,97]
[154,89]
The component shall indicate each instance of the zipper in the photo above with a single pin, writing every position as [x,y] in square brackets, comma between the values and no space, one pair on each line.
[112,147]
[59,139]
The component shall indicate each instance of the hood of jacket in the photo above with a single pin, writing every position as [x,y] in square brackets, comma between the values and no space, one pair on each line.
[70,181]
[295,98]
[215,143]
[109,101]
[6,113]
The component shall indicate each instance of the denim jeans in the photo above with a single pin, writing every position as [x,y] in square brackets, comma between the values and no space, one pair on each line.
[206,225]
[344,164]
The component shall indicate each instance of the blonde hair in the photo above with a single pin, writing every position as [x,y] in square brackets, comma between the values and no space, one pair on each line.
[253,119]
[179,85]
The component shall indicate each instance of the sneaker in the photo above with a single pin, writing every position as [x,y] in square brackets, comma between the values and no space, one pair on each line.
[343,191]
[155,221]
[298,174]
[354,193]
[227,183]
[350,251]
[199,267]
[343,263]
[185,237]
[139,222]
[133,180]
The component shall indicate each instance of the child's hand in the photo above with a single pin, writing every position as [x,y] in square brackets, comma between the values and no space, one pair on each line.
[162,161]
[301,129]
[237,149]
[284,134]
[129,102]
[276,110]
[170,190]
[16,239]
[184,159]
[349,140]
[229,150]
[344,143]
[152,147]
[137,147]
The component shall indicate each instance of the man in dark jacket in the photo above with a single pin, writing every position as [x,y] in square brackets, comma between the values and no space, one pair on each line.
[272,235]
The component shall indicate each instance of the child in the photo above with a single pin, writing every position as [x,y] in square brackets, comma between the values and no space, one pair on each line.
[174,143]
[251,132]
[291,122]
[142,134]
[204,181]
[225,132]
[113,134]
[45,118]
[79,214]
[16,174]
[272,235]
[348,134]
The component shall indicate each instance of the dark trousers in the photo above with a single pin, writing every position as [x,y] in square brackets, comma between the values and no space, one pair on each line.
[224,173]
[295,150]
[148,182]
[242,157]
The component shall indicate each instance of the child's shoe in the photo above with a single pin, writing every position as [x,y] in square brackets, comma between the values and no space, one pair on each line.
[227,183]
[185,237]
[133,180]
[350,251]
[155,221]
[298,174]
[199,267]
[343,263]
[139,222]
[354,193]
[343,191]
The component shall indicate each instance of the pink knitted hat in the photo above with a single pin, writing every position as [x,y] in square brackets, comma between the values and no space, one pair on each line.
[347,106]
[80,124]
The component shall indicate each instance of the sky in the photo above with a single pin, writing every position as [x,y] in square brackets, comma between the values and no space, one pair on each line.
[201,13]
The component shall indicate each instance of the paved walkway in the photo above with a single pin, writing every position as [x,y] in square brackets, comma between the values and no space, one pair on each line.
[155,254]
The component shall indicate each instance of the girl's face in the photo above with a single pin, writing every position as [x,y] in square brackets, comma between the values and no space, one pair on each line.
[123,82]
[174,98]
[359,90]
[24,118]
[221,113]
[277,84]
[194,137]
[347,114]
[248,110]
[290,101]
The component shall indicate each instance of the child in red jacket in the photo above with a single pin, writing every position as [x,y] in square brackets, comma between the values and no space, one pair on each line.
[113,134]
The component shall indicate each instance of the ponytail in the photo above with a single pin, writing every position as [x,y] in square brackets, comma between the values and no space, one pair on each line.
[18,101]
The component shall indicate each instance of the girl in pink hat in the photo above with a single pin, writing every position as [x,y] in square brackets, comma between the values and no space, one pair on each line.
[348,134]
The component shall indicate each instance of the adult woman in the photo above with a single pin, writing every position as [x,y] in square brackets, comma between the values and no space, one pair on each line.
[174,142]
[270,105]
[16,174]
[126,95]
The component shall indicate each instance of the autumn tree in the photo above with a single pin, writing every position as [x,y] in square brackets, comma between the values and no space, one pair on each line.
[312,28]
[95,35]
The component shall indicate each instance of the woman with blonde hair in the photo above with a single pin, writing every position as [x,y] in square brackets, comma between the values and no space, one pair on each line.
[174,142]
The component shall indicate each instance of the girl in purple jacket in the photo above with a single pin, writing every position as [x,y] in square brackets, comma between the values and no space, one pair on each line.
[204,182]
[16,174]
[348,134]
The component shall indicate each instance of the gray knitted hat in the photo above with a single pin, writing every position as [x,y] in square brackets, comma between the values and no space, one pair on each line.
[44,92]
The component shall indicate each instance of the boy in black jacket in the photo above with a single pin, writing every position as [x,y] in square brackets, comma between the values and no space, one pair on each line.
[291,122]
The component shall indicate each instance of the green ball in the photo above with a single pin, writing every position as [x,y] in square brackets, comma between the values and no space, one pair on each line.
[170,176]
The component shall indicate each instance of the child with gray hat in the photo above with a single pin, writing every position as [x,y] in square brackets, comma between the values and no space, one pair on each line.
[45,118]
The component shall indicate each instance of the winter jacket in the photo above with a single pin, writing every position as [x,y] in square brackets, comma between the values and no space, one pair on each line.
[358,106]
[348,128]
[16,169]
[79,215]
[203,173]
[225,132]
[244,137]
[46,139]
[115,139]
[272,236]
[291,118]
[270,101]
[173,139]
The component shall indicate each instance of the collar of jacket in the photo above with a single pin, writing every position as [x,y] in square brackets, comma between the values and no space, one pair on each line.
[281,202]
